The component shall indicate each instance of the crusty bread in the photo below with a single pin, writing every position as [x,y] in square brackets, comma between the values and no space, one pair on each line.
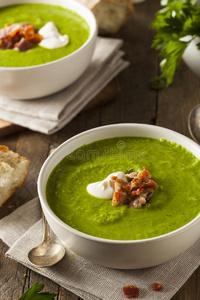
[13,171]
[110,14]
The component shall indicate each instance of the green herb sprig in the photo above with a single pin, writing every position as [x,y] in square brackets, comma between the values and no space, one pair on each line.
[34,293]
[173,23]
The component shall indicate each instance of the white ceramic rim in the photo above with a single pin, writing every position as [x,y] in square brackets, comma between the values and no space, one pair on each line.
[93,32]
[44,202]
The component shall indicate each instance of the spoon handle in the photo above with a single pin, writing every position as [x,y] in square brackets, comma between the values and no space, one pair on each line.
[46,236]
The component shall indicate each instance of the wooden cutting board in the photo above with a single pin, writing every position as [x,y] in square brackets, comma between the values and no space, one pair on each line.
[108,94]
[7,128]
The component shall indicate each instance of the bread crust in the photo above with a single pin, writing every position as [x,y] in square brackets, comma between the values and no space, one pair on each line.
[11,162]
[3,148]
[111,15]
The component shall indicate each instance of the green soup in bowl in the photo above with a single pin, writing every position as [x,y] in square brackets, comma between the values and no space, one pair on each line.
[109,235]
[38,14]
[40,71]
[175,203]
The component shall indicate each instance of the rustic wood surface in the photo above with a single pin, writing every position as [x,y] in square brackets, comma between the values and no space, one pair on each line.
[135,103]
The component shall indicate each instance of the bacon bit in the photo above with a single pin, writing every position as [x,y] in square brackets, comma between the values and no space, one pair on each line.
[24,25]
[29,31]
[136,192]
[5,32]
[157,286]
[7,45]
[118,198]
[136,183]
[35,39]
[31,36]
[24,45]
[137,202]
[13,33]
[15,36]
[131,291]
[144,175]
[21,36]
[152,184]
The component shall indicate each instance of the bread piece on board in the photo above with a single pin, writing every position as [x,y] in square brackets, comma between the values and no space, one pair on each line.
[110,14]
[13,171]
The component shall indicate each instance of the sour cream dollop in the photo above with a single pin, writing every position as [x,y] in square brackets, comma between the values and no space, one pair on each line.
[105,188]
[51,37]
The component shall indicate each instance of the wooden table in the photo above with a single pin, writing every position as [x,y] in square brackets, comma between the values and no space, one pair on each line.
[136,103]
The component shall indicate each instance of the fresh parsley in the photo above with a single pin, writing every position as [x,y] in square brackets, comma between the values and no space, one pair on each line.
[34,293]
[176,24]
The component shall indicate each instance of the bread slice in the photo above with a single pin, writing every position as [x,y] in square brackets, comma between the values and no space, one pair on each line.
[13,171]
[110,15]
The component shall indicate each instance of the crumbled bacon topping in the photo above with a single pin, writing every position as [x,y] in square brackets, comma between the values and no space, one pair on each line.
[157,286]
[134,192]
[21,36]
[24,45]
[131,291]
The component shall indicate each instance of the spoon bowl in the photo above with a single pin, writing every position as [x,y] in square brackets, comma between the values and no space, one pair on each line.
[194,123]
[47,253]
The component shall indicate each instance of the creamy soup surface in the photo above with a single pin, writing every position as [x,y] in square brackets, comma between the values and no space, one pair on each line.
[175,203]
[67,22]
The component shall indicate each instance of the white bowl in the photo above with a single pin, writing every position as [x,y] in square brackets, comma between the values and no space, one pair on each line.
[111,253]
[191,56]
[41,80]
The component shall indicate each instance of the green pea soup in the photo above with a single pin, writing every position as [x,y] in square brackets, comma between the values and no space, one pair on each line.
[175,203]
[66,21]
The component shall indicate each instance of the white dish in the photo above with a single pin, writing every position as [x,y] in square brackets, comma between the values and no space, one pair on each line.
[111,253]
[191,56]
[42,80]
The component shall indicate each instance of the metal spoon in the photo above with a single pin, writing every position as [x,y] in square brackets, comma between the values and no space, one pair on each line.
[48,253]
[194,123]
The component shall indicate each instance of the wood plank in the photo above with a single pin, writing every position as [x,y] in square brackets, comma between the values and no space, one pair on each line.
[176,101]
[11,276]
[7,128]
[136,103]
[108,94]
[191,289]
